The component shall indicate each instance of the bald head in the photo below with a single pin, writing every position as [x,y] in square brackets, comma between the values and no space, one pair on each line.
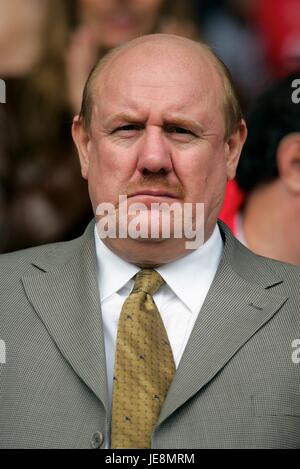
[154,128]
[171,50]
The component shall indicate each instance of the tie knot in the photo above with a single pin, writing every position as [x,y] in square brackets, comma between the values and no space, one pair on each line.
[147,281]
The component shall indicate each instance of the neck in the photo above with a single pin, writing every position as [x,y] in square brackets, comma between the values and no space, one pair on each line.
[147,254]
[151,254]
[271,223]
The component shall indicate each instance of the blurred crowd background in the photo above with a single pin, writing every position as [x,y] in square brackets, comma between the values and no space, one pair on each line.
[47,49]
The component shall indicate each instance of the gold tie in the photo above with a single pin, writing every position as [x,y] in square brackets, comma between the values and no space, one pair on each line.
[144,365]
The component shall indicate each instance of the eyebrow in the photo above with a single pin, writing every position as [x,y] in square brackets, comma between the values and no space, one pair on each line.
[123,117]
[182,121]
[176,119]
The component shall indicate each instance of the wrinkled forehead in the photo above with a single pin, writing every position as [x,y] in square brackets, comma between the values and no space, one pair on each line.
[187,70]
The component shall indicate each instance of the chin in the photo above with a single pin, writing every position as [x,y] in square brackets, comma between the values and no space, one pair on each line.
[148,241]
[148,252]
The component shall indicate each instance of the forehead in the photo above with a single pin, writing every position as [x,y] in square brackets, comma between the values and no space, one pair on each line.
[160,77]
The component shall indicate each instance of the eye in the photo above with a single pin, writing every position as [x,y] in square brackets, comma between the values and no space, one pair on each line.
[179,134]
[174,129]
[128,128]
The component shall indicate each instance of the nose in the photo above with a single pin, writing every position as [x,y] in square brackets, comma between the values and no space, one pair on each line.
[154,155]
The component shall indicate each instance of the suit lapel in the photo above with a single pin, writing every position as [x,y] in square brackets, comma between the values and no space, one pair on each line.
[66,298]
[234,310]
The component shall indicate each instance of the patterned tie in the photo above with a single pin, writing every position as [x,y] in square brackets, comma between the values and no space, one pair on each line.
[144,365]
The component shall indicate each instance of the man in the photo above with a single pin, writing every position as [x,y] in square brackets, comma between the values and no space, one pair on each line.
[269,173]
[139,342]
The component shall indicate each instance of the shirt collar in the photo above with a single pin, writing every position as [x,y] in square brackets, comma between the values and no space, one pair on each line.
[193,274]
[113,271]
[185,276]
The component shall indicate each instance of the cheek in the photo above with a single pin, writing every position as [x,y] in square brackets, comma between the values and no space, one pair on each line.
[216,184]
[109,173]
[201,173]
[191,166]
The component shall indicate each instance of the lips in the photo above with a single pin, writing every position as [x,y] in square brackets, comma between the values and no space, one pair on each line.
[154,193]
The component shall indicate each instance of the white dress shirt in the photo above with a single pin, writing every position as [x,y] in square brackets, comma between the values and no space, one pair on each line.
[179,300]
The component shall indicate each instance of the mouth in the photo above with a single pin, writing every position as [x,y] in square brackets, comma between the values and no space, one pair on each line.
[154,193]
[153,196]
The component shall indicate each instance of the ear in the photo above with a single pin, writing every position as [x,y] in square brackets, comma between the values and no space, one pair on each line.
[288,161]
[82,141]
[233,148]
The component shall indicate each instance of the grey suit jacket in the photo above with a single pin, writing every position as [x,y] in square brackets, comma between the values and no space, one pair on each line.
[236,385]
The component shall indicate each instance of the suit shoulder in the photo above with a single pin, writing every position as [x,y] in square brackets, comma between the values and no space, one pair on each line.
[252,265]
[17,263]
[290,275]
[278,267]
[284,267]
[259,268]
